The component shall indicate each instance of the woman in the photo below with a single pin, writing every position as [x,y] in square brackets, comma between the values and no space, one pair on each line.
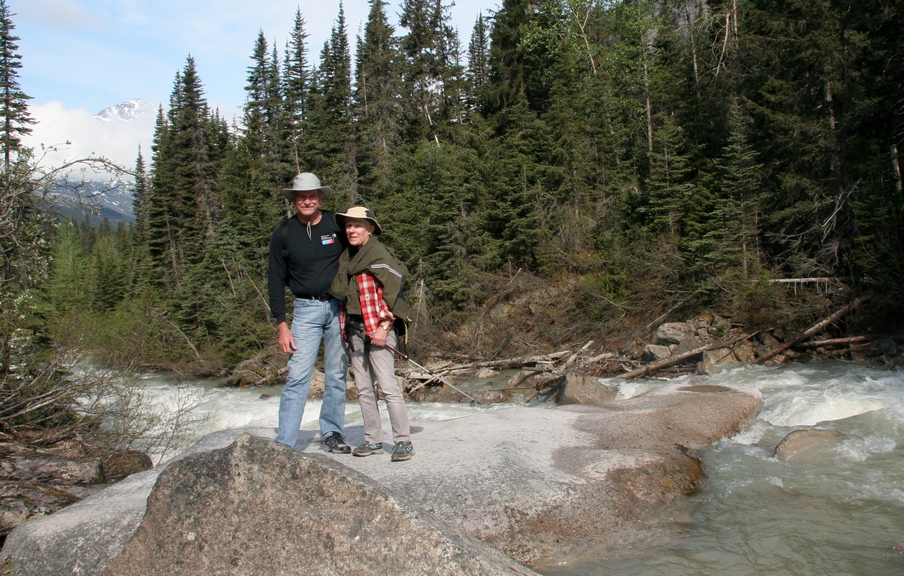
[371,281]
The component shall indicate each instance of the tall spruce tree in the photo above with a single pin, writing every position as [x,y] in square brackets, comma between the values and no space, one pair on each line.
[737,215]
[377,106]
[432,71]
[183,203]
[330,126]
[16,121]
[257,100]
[478,69]
[295,86]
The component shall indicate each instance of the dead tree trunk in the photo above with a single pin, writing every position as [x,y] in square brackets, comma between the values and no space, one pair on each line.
[813,329]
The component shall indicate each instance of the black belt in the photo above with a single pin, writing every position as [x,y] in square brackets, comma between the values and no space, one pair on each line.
[320,297]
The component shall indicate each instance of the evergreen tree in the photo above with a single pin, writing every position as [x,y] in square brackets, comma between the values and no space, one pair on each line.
[108,278]
[432,72]
[158,208]
[14,114]
[522,55]
[194,186]
[737,216]
[67,286]
[330,134]
[296,80]
[669,186]
[183,204]
[138,196]
[478,70]
[257,98]
[377,106]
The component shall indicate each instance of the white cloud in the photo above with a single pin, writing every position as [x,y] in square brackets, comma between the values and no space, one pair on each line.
[117,140]
[61,14]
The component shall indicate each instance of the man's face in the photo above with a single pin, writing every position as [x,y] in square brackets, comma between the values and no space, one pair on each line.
[307,202]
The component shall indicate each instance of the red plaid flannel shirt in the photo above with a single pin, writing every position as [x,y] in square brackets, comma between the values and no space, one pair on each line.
[373,307]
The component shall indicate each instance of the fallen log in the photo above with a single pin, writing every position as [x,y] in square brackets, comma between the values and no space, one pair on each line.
[656,366]
[813,329]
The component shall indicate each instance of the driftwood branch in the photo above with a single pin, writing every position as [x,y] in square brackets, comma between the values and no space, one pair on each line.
[574,356]
[822,324]
[504,363]
[834,342]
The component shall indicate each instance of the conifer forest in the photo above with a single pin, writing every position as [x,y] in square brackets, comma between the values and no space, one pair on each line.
[617,160]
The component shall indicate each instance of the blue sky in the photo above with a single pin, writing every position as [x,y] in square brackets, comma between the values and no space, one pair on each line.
[81,56]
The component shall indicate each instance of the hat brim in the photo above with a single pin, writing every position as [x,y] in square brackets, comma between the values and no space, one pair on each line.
[341,218]
[289,193]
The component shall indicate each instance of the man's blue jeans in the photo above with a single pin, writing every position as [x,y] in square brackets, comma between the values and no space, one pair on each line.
[313,321]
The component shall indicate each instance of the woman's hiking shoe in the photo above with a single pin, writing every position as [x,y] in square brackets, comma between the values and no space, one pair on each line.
[334,442]
[367,449]
[402,451]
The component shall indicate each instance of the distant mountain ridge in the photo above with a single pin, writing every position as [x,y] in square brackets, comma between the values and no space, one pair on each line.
[94,201]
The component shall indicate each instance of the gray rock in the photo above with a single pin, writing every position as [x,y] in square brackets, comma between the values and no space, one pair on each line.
[673,332]
[486,373]
[692,417]
[807,444]
[653,352]
[712,358]
[745,351]
[258,507]
[584,389]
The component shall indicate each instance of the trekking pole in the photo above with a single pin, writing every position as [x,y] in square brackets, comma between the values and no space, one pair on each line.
[403,356]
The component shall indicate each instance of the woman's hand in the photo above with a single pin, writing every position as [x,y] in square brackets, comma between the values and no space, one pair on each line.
[378,336]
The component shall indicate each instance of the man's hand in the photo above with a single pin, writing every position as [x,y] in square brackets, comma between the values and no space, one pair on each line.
[286,341]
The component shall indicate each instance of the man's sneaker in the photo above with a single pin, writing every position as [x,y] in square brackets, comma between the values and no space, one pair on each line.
[334,442]
[367,449]
[402,451]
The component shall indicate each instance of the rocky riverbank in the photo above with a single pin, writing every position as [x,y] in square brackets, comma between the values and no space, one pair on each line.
[526,482]
[36,481]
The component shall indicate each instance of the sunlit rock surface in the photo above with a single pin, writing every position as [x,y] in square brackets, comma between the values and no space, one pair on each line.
[529,482]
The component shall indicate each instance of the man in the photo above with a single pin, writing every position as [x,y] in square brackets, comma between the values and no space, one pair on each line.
[304,255]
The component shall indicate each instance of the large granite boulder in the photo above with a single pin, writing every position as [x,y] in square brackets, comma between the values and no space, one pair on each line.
[258,507]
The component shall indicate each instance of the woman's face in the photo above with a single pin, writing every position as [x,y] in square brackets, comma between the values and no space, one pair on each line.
[358,231]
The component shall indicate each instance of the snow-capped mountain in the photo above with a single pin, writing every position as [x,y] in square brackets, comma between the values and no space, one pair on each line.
[94,200]
[129,110]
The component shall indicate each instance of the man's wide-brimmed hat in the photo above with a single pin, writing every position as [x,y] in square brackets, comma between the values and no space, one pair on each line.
[303,182]
[360,213]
